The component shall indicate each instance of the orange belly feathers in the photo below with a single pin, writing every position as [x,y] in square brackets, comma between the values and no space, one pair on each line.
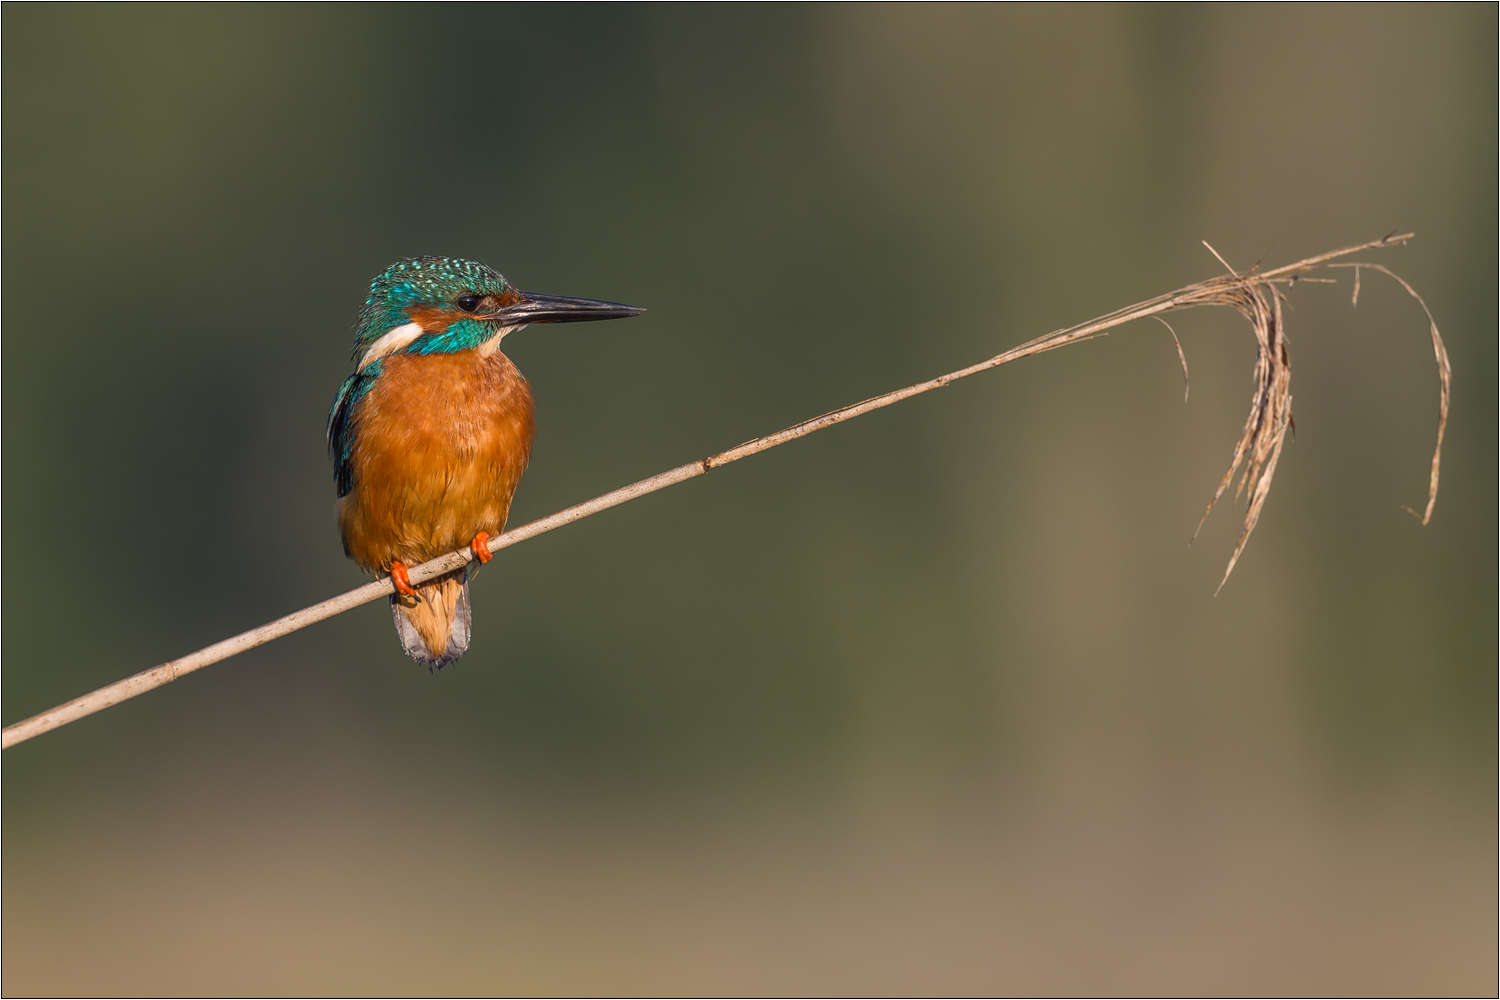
[443,440]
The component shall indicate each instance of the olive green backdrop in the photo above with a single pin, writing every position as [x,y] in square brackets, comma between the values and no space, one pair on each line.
[937,701]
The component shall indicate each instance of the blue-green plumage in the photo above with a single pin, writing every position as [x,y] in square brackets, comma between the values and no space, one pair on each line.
[342,431]
[424,283]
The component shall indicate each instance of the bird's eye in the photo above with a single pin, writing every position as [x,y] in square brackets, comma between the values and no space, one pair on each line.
[468,303]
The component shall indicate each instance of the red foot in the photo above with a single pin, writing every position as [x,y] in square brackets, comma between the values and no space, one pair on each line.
[480,546]
[401,581]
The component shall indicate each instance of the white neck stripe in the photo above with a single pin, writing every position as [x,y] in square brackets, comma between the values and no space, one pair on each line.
[390,343]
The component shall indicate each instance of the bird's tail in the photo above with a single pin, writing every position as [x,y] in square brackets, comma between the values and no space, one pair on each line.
[435,629]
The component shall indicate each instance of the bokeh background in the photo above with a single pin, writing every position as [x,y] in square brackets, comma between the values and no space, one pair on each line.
[937,701]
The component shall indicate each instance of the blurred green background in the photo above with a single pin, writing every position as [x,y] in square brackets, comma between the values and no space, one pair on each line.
[937,701]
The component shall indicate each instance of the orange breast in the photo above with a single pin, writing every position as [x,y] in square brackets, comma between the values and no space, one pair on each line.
[440,443]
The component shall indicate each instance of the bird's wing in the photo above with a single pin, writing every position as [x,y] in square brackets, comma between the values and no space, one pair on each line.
[341,424]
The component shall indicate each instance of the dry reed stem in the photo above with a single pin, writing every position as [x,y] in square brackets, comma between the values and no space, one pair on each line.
[1181,358]
[1254,295]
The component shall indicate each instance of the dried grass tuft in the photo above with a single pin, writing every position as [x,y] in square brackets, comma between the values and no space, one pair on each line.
[1258,297]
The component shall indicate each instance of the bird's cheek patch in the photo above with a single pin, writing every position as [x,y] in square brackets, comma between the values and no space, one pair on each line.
[435,319]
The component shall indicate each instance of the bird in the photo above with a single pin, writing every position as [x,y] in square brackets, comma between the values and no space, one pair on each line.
[431,432]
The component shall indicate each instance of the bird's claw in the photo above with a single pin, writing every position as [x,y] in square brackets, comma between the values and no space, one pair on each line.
[401,581]
[480,546]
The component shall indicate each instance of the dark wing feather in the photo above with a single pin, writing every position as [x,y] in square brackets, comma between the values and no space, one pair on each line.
[342,424]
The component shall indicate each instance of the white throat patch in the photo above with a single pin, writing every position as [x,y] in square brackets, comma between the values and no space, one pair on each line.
[489,347]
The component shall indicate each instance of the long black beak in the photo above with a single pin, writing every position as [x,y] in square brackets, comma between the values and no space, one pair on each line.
[537,307]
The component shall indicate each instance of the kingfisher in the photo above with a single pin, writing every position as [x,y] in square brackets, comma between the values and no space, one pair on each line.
[431,433]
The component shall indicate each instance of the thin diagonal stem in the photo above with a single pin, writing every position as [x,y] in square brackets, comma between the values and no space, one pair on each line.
[1225,290]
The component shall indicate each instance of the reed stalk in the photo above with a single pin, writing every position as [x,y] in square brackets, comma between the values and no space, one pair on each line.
[1257,295]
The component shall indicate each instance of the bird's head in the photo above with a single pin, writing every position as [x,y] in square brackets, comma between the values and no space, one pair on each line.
[440,305]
